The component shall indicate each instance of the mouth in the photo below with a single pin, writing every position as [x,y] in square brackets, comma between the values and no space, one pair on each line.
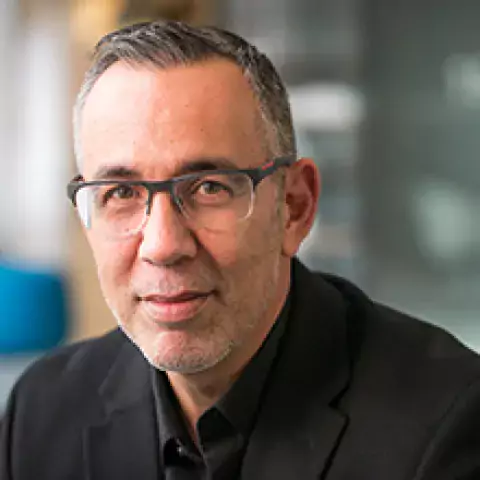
[171,309]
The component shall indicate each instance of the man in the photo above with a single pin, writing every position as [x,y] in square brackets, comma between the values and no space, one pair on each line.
[232,359]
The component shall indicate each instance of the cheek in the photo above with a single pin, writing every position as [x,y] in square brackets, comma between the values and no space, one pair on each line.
[222,247]
[114,262]
[250,242]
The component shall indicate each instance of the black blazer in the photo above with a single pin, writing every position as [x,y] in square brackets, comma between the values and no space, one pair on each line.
[359,392]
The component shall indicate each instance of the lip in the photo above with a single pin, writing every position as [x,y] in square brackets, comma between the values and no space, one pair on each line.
[180,297]
[170,309]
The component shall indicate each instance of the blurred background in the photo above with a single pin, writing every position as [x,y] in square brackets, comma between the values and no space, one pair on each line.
[385,96]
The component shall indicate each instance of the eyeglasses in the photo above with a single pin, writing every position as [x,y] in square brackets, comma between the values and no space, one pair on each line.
[214,199]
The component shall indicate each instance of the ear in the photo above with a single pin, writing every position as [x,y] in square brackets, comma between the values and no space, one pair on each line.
[302,191]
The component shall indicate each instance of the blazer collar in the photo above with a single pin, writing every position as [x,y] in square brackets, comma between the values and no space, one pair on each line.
[125,445]
[298,426]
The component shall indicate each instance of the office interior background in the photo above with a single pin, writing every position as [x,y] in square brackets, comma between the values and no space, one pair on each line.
[385,97]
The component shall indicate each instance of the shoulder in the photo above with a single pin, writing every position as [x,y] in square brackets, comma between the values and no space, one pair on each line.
[75,357]
[376,331]
[412,385]
[412,388]
[78,367]
[371,323]
[418,372]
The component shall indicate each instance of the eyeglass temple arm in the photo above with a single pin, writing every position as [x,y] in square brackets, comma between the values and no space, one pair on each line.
[273,165]
[72,188]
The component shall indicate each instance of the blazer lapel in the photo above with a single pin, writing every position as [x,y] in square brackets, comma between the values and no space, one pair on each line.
[125,445]
[298,427]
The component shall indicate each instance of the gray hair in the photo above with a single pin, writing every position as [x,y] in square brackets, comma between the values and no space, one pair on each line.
[167,43]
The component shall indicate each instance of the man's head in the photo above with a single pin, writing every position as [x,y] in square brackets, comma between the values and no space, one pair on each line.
[163,100]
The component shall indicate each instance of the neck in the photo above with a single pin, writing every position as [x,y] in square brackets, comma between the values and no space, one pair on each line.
[198,392]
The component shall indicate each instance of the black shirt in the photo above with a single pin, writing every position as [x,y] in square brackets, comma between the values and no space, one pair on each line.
[224,429]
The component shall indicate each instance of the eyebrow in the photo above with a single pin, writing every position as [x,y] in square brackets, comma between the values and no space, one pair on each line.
[110,172]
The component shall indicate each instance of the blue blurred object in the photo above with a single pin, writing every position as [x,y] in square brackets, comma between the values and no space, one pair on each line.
[33,309]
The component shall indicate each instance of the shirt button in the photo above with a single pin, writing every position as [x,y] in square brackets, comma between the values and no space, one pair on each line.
[181,450]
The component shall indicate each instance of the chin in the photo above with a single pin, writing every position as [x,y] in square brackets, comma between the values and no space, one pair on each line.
[184,359]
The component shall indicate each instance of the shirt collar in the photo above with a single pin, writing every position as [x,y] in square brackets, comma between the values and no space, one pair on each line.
[169,418]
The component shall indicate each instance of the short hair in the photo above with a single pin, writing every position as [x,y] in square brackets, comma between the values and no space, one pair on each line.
[165,44]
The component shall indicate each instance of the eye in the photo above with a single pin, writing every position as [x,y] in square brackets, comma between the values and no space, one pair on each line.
[210,187]
[120,192]
[214,189]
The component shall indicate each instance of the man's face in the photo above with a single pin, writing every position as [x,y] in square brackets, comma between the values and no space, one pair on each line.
[188,297]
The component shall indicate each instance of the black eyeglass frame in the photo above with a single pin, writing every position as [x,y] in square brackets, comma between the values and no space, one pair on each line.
[158,186]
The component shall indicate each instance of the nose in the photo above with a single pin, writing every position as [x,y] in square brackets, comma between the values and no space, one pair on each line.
[166,239]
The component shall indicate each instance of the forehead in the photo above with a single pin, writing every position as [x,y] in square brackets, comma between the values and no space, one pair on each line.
[145,117]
